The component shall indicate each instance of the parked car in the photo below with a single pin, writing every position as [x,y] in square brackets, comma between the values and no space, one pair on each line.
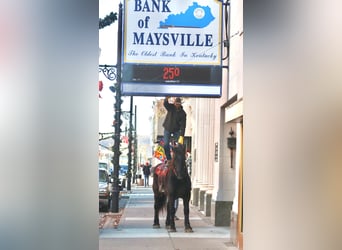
[104,190]
[123,175]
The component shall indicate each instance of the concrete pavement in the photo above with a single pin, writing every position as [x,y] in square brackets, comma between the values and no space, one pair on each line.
[135,231]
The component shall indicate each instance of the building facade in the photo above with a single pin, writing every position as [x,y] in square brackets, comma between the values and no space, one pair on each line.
[215,129]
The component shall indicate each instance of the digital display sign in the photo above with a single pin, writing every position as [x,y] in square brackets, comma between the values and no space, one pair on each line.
[172,74]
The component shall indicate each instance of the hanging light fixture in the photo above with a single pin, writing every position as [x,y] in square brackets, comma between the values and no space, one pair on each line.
[231,143]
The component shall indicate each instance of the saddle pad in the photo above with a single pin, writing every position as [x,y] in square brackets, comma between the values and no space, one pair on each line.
[161,170]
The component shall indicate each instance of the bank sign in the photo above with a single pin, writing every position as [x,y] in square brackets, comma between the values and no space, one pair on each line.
[172,47]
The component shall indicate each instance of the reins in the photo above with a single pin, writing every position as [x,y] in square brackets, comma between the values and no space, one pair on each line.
[172,167]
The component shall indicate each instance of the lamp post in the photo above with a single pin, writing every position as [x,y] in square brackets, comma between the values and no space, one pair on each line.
[117,125]
[129,175]
[135,145]
[113,72]
[128,116]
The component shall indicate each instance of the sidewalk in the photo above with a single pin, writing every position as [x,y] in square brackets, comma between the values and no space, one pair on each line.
[134,230]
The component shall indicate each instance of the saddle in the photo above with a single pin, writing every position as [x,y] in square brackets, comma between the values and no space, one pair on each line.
[161,171]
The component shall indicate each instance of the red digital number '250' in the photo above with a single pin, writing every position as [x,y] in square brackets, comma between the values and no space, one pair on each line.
[170,73]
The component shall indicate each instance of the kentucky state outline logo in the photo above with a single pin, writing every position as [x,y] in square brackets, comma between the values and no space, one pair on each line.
[196,16]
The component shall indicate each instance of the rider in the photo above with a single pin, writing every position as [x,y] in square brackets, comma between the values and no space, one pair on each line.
[174,123]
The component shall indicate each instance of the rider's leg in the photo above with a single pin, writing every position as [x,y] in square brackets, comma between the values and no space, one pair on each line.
[167,136]
[176,136]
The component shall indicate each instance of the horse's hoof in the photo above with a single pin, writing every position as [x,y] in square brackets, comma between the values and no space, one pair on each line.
[188,230]
[172,230]
[156,226]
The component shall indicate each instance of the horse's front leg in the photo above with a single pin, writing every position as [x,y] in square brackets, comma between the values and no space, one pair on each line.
[188,228]
[170,218]
[156,212]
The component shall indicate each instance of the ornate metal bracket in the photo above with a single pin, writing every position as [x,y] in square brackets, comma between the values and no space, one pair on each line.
[104,136]
[109,71]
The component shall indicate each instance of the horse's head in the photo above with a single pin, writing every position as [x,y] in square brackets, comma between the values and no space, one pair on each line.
[179,165]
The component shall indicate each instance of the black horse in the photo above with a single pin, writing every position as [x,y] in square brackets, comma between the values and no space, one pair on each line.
[170,184]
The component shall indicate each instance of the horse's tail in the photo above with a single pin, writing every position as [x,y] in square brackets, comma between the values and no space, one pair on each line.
[160,202]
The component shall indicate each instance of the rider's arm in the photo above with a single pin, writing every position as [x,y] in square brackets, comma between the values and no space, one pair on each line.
[167,105]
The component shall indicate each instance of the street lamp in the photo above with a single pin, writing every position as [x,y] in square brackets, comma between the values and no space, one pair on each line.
[135,145]
[129,115]
[129,176]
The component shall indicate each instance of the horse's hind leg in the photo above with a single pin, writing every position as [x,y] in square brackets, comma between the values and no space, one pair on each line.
[188,228]
[158,204]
